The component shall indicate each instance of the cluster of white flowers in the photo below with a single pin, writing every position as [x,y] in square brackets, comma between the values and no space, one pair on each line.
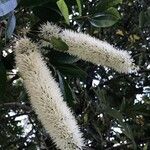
[44,92]
[89,48]
[46,97]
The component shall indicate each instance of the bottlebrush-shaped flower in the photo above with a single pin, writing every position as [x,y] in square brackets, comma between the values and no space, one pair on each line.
[89,48]
[46,97]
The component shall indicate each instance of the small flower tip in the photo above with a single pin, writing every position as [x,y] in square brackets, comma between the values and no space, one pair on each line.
[25,46]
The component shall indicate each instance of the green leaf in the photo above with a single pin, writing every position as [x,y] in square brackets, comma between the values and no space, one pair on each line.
[105,19]
[114,12]
[79,6]
[66,90]
[102,95]
[2,80]
[71,70]
[114,113]
[141,109]
[59,57]
[64,10]
[105,4]
[144,18]
[59,44]
[123,105]
[125,127]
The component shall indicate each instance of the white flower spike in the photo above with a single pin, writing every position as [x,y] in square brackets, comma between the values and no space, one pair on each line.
[46,98]
[89,48]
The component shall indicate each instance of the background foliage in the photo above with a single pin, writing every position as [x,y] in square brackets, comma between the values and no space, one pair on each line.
[113,110]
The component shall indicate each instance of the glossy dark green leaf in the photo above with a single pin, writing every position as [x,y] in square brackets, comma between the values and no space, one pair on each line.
[105,4]
[66,90]
[71,70]
[59,57]
[2,80]
[105,19]
[59,44]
